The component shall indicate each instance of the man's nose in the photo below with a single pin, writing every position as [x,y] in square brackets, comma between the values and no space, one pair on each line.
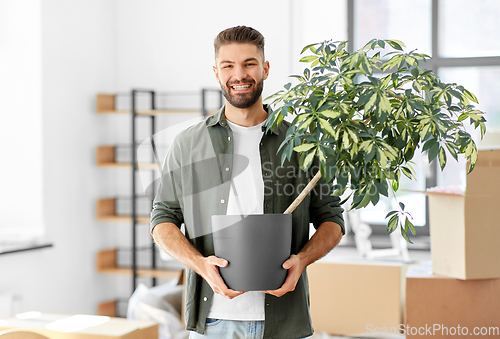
[240,73]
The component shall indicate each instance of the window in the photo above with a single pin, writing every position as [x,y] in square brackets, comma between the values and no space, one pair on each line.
[469,28]
[465,46]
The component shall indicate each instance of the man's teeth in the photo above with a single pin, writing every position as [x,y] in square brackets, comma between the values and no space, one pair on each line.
[241,86]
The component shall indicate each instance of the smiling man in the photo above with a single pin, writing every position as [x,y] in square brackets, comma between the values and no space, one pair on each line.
[248,168]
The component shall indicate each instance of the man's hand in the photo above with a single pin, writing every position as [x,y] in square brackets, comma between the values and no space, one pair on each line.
[210,272]
[295,266]
[327,236]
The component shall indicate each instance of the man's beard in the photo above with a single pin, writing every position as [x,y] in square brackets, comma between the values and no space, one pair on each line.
[243,100]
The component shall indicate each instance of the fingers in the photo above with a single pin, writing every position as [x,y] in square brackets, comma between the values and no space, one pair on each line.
[287,264]
[215,281]
[288,286]
[294,272]
[213,260]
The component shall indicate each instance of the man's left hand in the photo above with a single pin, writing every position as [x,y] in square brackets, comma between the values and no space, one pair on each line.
[295,266]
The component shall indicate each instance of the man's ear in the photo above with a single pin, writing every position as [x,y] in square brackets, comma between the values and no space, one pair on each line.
[266,69]
[216,72]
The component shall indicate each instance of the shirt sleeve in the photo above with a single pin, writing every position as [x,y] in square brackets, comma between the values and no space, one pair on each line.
[324,206]
[166,206]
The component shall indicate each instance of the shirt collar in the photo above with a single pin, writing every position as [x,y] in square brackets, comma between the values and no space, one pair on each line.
[220,118]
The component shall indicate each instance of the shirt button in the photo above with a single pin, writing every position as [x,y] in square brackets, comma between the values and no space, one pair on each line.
[229,138]
[205,299]
[222,201]
[227,169]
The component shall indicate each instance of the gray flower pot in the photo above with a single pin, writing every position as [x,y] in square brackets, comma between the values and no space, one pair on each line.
[255,246]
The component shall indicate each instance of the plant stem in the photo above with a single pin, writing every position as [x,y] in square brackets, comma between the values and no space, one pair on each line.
[303,194]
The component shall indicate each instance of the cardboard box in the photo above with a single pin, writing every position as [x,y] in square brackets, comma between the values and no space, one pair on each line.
[465,229]
[438,306]
[356,296]
[57,326]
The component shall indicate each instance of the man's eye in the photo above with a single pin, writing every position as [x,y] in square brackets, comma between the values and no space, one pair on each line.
[251,64]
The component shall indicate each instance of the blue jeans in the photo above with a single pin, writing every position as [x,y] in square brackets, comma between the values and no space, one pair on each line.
[231,329]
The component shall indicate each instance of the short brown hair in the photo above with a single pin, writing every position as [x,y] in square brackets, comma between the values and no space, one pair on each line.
[241,35]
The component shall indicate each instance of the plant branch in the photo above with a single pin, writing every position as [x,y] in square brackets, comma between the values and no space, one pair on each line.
[303,194]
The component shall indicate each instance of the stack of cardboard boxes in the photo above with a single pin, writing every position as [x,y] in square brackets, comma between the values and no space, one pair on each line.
[460,295]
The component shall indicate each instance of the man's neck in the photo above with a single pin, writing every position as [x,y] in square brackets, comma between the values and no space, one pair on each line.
[246,117]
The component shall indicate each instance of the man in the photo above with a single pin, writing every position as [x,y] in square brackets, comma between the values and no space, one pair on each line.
[229,165]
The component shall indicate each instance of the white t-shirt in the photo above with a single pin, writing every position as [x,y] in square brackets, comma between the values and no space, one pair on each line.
[246,196]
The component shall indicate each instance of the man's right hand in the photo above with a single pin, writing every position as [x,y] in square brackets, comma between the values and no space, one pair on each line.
[210,272]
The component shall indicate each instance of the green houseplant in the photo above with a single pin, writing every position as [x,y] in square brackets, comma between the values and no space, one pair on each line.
[364,114]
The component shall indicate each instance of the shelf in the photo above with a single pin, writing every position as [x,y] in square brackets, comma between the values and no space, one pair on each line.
[106,156]
[106,211]
[105,104]
[106,264]
[107,308]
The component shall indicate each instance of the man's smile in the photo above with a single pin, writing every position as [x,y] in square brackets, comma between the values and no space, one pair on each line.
[241,87]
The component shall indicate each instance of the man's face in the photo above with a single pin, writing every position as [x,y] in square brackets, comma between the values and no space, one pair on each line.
[241,71]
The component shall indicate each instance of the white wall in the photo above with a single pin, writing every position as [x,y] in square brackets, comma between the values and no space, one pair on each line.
[21,106]
[76,60]
[168,45]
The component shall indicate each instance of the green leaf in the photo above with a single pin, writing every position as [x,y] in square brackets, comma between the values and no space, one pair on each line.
[385,105]
[369,153]
[303,147]
[309,58]
[405,236]
[473,158]
[433,152]
[451,148]
[393,224]
[470,96]
[326,126]
[366,200]
[409,225]
[442,158]
[305,124]
[314,101]
[345,140]
[308,47]
[353,135]
[395,185]
[382,188]
[396,44]
[370,102]
[406,172]
[308,160]
[287,153]
[330,114]
[415,72]
[374,197]
[390,213]
[307,73]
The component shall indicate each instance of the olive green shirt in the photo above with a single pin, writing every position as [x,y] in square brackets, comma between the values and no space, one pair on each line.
[195,185]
